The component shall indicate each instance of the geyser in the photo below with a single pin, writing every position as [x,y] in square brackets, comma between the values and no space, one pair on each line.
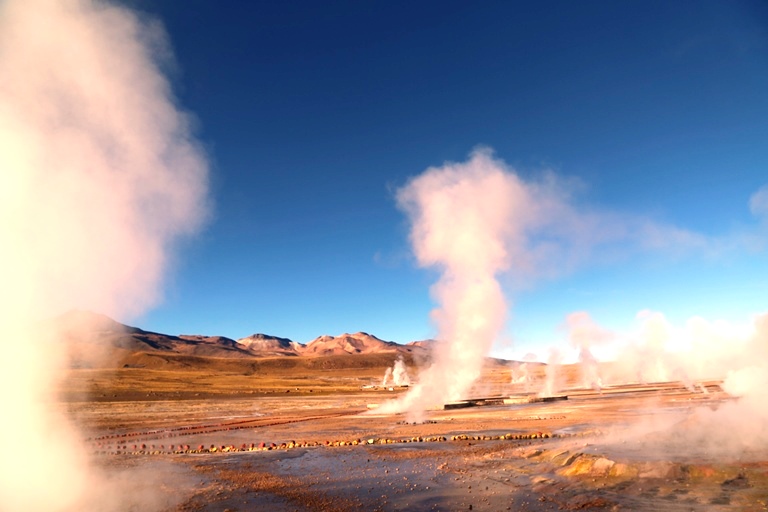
[472,221]
[100,175]
[397,375]
[584,334]
[478,220]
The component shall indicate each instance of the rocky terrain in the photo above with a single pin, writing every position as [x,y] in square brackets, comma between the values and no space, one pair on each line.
[329,452]
[208,424]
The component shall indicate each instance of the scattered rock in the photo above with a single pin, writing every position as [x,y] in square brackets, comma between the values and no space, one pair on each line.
[739,482]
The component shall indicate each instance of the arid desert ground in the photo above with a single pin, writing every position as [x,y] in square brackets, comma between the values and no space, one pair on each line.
[221,438]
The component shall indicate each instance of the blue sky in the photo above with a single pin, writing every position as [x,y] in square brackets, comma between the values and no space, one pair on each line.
[313,114]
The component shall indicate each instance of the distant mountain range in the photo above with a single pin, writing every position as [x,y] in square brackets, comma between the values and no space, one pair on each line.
[94,338]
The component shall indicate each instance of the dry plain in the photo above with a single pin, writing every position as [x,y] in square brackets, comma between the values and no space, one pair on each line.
[300,434]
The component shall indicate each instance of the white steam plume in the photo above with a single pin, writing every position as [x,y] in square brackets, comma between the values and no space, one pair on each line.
[98,176]
[703,350]
[553,381]
[400,373]
[585,335]
[397,374]
[470,221]
[477,220]
[520,374]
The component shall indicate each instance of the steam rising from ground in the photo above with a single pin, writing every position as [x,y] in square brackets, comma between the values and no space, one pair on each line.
[474,221]
[477,220]
[397,375]
[463,216]
[99,177]
[659,351]
[584,334]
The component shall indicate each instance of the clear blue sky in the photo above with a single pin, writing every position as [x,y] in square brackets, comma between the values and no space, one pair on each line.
[314,113]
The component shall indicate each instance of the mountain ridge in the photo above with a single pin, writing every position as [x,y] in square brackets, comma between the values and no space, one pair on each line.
[91,337]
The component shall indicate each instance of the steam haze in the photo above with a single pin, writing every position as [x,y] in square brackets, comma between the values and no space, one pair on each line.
[474,221]
[100,176]
[701,350]
[480,220]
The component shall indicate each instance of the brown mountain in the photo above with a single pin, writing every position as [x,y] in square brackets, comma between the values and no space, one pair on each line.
[357,343]
[94,340]
[428,344]
[266,345]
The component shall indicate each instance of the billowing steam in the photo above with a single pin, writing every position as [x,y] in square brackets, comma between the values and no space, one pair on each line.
[747,419]
[585,335]
[701,350]
[520,375]
[477,220]
[472,221]
[397,375]
[99,176]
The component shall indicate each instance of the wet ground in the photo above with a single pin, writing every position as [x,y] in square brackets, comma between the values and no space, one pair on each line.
[584,453]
